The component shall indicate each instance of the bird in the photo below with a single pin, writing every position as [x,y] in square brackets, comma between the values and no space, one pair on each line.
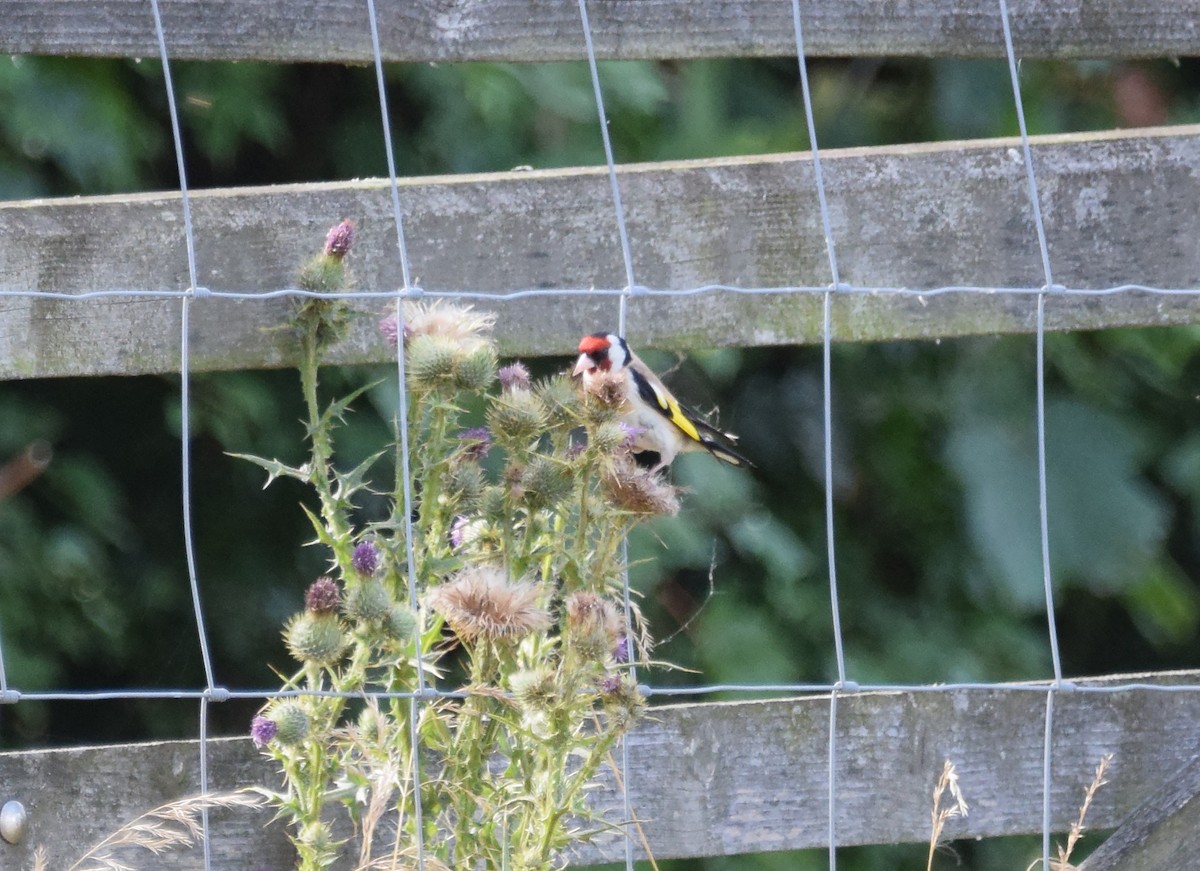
[662,427]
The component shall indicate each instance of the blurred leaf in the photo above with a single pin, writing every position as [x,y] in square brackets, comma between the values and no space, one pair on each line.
[1105,525]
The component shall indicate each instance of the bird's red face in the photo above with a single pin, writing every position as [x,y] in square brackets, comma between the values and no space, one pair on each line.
[596,354]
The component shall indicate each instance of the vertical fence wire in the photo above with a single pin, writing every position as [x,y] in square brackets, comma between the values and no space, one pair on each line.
[1040,353]
[402,414]
[185,420]
[622,318]
[827,414]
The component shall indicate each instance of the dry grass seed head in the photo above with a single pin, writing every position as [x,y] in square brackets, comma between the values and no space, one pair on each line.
[176,824]
[480,603]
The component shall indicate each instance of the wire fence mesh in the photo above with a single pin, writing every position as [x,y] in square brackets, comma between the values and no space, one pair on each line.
[427,689]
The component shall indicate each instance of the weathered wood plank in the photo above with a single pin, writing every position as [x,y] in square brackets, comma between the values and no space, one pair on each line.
[540,30]
[1163,834]
[1119,208]
[728,778]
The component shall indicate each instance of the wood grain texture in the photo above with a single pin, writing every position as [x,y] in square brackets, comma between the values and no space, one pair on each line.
[726,778]
[542,30]
[1118,207]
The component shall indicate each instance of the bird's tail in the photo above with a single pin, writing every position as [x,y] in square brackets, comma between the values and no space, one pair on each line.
[723,451]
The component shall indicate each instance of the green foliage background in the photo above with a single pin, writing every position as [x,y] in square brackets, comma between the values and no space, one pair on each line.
[934,467]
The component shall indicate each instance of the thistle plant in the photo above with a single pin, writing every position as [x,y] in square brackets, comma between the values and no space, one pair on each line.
[515,532]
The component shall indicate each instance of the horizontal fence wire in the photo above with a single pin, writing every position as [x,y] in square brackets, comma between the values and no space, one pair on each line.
[418,293]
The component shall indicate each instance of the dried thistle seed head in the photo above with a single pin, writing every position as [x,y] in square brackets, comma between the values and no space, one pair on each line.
[638,491]
[544,482]
[432,361]
[517,417]
[514,376]
[291,723]
[315,638]
[607,388]
[593,625]
[622,700]
[369,602]
[460,323]
[365,558]
[561,399]
[322,596]
[480,603]
[534,689]
[476,369]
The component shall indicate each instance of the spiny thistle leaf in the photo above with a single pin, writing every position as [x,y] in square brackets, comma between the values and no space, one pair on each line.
[276,469]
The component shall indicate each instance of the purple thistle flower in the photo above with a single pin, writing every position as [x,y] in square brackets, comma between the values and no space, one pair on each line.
[514,377]
[458,530]
[388,327]
[609,684]
[322,596]
[366,558]
[262,730]
[476,442]
[632,434]
[339,240]
[620,651]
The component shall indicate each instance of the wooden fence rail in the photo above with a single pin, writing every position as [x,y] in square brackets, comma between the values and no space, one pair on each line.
[723,778]
[1119,207]
[544,30]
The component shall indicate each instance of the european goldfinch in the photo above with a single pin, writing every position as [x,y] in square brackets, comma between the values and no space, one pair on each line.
[660,424]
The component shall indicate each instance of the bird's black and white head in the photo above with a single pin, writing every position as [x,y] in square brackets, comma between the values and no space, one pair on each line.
[601,352]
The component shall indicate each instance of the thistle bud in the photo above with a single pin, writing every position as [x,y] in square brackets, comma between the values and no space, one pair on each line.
[290,721]
[608,437]
[315,638]
[493,504]
[432,360]
[517,417]
[464,484]
[369,602]
[561,399]
[476,371]
[401,623]
[544,483]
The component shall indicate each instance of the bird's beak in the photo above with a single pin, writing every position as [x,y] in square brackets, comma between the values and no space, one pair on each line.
[583,364]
